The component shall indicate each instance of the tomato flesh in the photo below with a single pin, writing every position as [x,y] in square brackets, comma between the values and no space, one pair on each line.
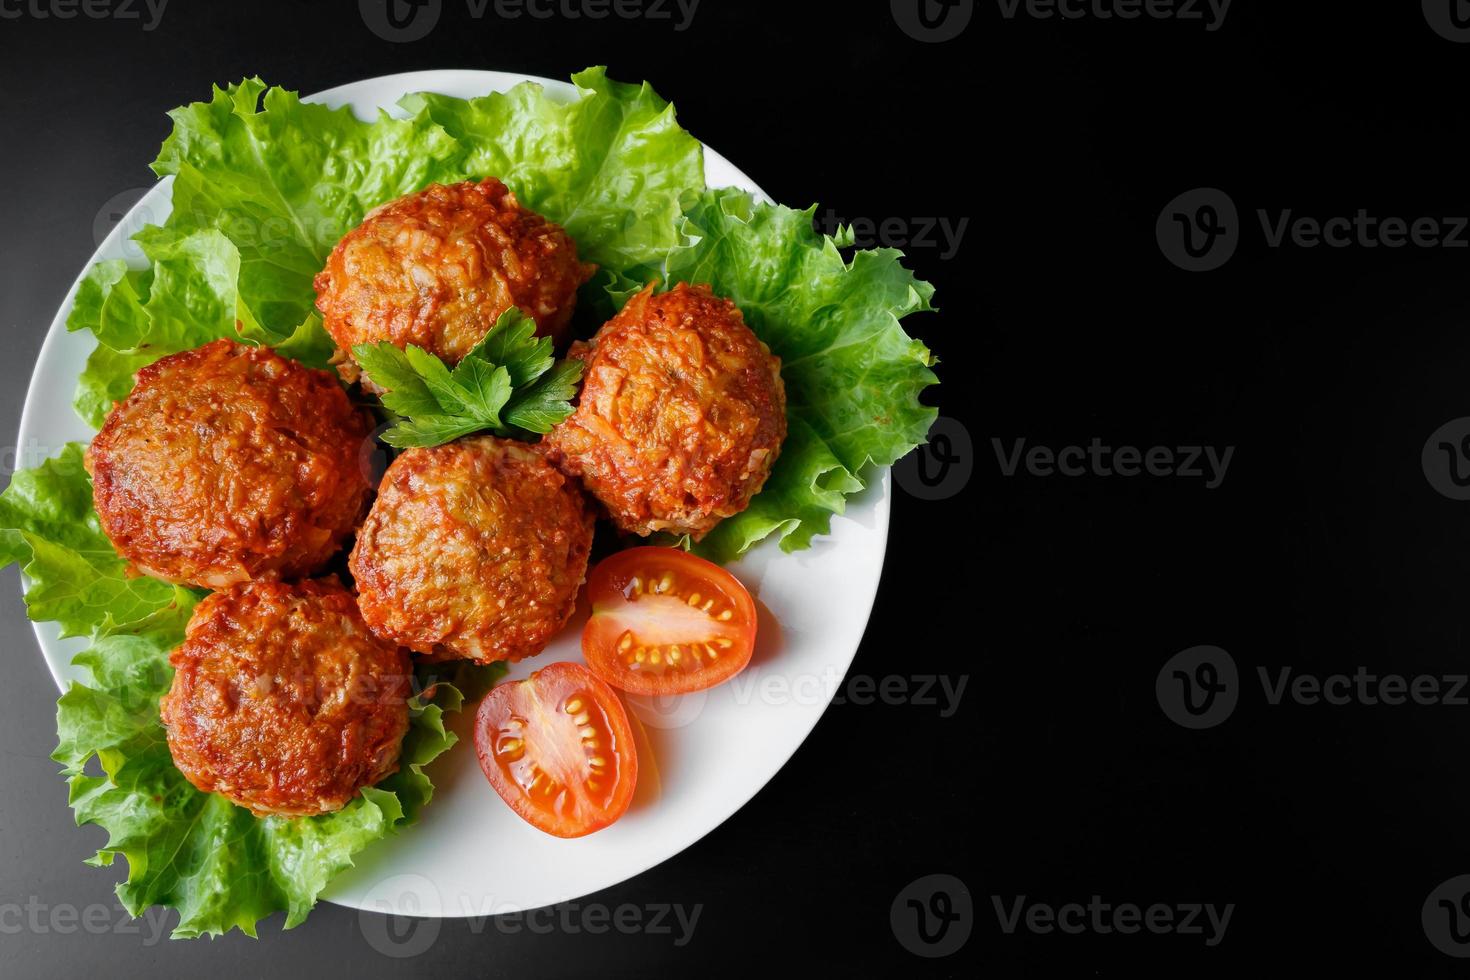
[667,622]
[558,749]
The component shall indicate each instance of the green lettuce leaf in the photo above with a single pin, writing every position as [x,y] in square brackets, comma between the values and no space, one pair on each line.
[187,296]
[610,167]
[283,180]
[220,866]
[264,185]
[853,377]
[75,578]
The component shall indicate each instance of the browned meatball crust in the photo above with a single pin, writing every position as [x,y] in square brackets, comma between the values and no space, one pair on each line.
[229,463]
[681,415]
[437,268]
[474,550]
[283,701]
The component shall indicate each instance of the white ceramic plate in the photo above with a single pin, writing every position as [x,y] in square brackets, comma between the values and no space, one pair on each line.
[705,754]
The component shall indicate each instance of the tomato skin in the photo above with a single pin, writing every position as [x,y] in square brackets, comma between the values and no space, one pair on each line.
[558,749]
[667,622]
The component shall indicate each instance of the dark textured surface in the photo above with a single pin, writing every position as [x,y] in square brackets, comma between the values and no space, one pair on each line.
[1059,141]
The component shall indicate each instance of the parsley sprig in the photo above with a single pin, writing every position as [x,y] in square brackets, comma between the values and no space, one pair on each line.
[510,384]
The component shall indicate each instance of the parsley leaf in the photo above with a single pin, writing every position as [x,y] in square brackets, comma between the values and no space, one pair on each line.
[509,384]
[548,401]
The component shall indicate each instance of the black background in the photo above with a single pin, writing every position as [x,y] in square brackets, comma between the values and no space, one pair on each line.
[1060,140]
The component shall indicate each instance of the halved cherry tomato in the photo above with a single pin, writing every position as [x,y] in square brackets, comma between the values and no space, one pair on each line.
[666,622]
[557,747]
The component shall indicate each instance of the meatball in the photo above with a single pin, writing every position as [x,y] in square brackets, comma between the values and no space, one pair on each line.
[283,701]
[436,269]
[230,463]
[681,415]
[475,549]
